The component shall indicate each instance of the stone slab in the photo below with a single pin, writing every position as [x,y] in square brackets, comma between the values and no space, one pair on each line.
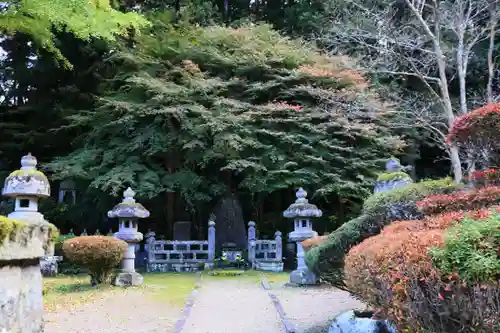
[125,279]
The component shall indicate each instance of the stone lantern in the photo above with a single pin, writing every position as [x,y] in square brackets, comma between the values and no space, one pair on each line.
[302,212]
[128,212]
[27,185]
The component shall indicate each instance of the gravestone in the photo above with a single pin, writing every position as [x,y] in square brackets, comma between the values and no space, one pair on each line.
[182,230]
[231,229]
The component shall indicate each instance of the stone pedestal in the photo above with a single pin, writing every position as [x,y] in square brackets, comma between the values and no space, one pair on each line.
[124,279]
[302,275]
[21,301]
[49,265]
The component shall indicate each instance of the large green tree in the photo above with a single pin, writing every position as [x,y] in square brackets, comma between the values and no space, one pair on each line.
[202,111]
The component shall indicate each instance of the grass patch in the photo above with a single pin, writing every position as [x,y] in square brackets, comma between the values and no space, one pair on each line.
[66,292]
[249,276]
[172,288]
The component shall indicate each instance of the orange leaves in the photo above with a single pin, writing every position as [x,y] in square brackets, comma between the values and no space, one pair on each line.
[348,75]
[469,200]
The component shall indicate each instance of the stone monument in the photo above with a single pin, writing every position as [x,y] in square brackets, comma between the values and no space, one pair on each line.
[231,234]
[398,177]
[301,212]
[182,230]
[128,212]
[25,237]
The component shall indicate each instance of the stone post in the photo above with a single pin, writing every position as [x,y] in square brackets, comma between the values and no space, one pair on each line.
[27,238]
[251,242]
[279,245]
[211,241]
[128,212]
[301,212]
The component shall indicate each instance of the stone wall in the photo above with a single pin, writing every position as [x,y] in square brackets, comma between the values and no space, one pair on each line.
[21,301]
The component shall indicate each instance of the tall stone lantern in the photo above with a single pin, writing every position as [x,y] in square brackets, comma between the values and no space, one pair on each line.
[128,212]
[26,240]
[302,212]
[27,185]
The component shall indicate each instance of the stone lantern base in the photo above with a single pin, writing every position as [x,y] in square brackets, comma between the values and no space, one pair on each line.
[125,279]
[303,277]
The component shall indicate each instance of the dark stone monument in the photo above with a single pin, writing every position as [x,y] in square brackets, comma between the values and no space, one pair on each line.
[182,230]
[231,230]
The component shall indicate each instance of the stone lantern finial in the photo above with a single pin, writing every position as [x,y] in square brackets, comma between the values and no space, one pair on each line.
[128,196]
[28,162]
[301,196]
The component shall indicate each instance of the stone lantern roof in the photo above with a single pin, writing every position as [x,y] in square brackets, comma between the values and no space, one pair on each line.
[302,207]
[27,181]
[128,208]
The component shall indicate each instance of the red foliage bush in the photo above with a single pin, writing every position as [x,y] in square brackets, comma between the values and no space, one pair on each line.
[100,254]
[480,124]
[469,200]
[393,272]
[486,177]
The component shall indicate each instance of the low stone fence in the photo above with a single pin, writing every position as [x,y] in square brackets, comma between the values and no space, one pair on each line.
[180,256]
[265,255]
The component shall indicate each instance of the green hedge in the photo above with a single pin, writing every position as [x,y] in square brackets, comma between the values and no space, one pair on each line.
[380,209]
[471,249]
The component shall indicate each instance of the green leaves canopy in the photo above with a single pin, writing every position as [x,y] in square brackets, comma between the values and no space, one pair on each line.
[85,19]
[191,105]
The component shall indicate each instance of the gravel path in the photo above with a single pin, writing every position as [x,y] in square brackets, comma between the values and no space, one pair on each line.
[130,311]
[220,306]
[311,308]
[233,306]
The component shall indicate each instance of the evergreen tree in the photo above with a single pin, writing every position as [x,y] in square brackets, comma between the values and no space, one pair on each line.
[201,111]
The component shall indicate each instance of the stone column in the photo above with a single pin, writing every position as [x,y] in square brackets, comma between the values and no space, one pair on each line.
[251,242]
[279,246]
[211,241]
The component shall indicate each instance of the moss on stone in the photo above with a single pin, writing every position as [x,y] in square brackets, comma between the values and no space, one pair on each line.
[388,176]
[9,227]
[25,173]
[54,233]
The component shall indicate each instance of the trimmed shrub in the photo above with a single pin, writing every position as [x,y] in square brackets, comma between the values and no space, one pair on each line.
[469,200]
[395,273]
[100,254]
[479,130]
[327,258]
[472,250]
